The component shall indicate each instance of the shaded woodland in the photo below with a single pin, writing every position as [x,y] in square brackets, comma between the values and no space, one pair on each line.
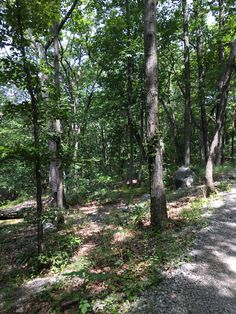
[102,101]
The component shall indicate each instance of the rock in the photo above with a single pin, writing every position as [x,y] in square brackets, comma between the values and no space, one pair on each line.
[184,177]
[48,227]
[145,197]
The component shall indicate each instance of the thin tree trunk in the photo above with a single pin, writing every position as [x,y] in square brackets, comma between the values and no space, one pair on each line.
[187,104]
[129,94]
[143,126]
[221,23]
[157,191]
[221,18]
[173,130]
[52,144]
[56,165]
[233,136]
[103,149]
[36,131]
[140,172]
[224,83]
[75,129]
[201,74]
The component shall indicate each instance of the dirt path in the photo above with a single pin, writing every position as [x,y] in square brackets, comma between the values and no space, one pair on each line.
[207,284]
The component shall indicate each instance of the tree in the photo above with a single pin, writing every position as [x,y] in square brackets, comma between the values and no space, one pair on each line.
[221,104]
[200,20]
[187,101]
[157,192]
[56,174]
[29,80]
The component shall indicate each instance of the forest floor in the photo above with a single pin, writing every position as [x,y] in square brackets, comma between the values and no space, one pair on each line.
[206,284]
[107,260]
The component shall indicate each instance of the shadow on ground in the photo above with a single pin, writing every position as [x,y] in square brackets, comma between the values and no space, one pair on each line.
[208,283]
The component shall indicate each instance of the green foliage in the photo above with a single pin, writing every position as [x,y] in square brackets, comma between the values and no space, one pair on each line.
[59,247]
[58,250]
[194,213]
[84,306]
[140,211]
[52,214]
[225,186]
[224,169]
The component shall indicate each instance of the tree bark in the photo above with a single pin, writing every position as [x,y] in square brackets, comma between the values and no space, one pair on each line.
[157,191]
[187,103]
[224,83]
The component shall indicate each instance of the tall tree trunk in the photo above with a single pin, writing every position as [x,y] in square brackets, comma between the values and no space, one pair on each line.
[221,18]
[129,94]
[75,128]
[187,104]
[157,191]
[140,170]
[55,143]
[36,131]
[221,22]
[224,83]
[201,74]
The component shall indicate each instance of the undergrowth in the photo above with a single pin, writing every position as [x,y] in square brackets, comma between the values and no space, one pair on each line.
[126,256]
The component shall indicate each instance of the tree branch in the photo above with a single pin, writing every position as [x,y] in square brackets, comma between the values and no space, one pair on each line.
[62,23]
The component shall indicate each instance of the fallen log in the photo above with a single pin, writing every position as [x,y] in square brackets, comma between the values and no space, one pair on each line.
[21,210]
[18,211]
[15,213]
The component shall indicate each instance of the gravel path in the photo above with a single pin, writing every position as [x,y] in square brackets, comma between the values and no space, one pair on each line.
[207,284]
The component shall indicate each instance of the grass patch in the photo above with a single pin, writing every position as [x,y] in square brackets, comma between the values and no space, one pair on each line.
[193,213]
[224,169]
[225,186]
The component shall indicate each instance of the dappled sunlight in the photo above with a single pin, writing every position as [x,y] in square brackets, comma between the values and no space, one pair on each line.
[207,284]
[123,235]
[119,255]
[86,249]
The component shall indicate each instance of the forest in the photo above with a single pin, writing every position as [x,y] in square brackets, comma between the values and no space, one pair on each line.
[102,104]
